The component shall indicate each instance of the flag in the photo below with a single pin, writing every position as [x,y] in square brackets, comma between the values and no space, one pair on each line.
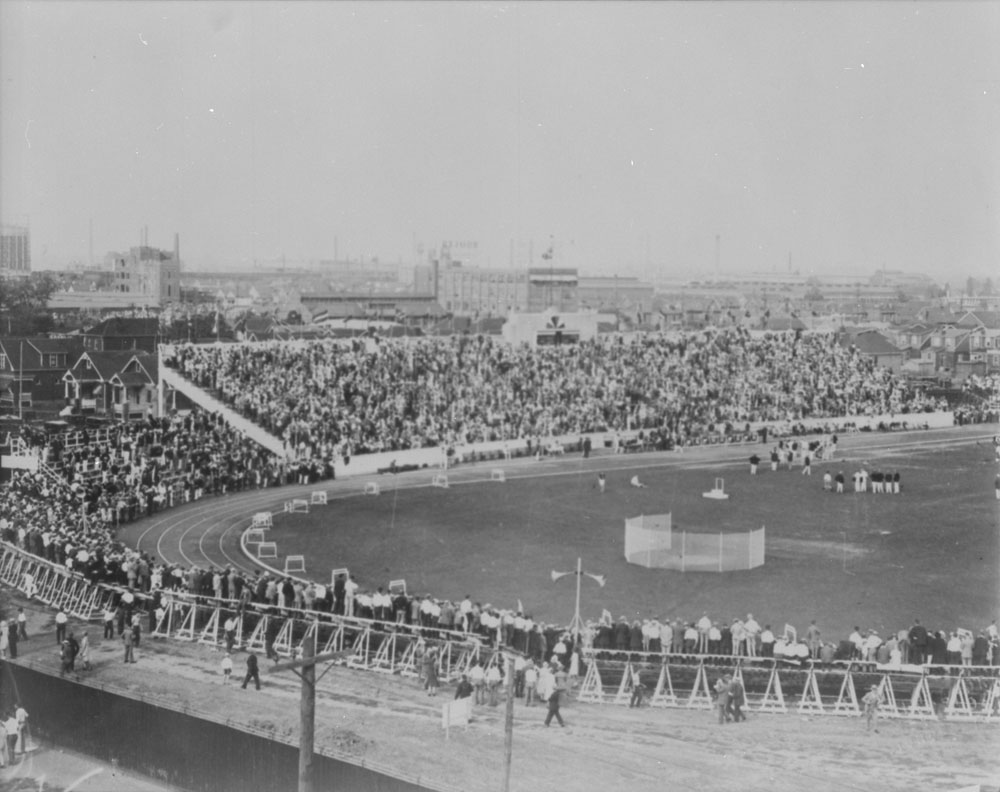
[557,575]
[215,324]
[520,607]
[319,316]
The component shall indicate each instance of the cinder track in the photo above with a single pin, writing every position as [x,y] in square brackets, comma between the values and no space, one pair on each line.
[207,533]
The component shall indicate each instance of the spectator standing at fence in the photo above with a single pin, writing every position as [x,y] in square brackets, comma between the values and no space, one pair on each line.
[637,690]
[21,716]
[530,682]
[477,677]
[253,671]
[10,727]
[737,699]
[813,639]
[493,679]
[722,698]
[229,627]
[60,627]
[430,671]
[4,641]
[11,630]
[22,624]
[870,703]
[128,641]
[84,654]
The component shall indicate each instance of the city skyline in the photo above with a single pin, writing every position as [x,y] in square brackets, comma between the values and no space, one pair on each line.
[837,136]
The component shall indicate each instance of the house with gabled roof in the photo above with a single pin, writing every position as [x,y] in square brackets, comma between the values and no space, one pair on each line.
[123,333]
[31,369]
[119,384]
[980,318]
[873,345]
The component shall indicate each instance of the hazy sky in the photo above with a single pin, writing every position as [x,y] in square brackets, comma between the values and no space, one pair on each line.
[850,135]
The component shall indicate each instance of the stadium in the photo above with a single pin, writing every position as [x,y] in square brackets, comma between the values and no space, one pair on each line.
[446,472]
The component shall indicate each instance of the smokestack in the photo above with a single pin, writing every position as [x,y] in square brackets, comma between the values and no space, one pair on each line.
[91,255]
[177,248]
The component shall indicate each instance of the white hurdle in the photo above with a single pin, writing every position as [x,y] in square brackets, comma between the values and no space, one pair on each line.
[297,506]
[267,550]
[318,498]
[255,536]
[440,480]
[371,488]
[295,563]
[262,520]
[497,475]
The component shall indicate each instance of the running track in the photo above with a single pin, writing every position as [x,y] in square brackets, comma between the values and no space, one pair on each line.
[207,533]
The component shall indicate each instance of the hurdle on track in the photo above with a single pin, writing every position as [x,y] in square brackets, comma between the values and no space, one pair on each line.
[397,585]
[267,550]
[262,520]
[371,488]
[295,563]
[440,480]
[297,506]
[497,475]
[318,498]
[255,536]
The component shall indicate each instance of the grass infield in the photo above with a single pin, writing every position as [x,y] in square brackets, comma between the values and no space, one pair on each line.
[931,552]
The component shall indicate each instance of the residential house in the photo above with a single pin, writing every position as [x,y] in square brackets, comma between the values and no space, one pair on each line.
[120,384]
[123,333]
[873,345]
[31,369]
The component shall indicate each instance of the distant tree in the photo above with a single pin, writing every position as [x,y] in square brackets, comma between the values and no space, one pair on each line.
[24,304]
[988,287]
[935,292]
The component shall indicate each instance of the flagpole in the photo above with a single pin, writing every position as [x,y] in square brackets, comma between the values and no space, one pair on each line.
[576,615]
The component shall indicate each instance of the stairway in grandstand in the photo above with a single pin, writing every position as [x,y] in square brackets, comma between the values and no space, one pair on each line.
[207,401]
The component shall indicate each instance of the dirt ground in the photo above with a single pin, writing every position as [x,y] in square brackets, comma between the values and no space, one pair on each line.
[387,722]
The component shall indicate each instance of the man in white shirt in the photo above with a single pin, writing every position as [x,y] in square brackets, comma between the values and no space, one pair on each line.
[477,678]
[751,629]
[350,589]
[493,684]
[704,625]
[61,620]
[21,716]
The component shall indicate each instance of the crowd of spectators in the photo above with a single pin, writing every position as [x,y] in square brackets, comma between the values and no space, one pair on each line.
[748,638]
[367,395]
[377,394]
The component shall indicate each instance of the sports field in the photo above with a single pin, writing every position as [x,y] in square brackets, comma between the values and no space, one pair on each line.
[870,560]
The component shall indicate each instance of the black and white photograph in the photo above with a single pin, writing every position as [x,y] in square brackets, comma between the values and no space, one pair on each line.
[499,396]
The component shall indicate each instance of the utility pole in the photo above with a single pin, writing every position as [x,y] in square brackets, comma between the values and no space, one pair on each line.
[508,726]
[307,703]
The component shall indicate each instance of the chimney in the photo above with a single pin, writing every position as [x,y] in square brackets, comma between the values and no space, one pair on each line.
[177,249]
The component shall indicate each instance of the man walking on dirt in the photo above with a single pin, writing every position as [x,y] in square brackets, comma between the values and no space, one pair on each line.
[253,672]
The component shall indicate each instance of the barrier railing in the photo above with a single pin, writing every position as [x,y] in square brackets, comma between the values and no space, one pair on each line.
[969,693]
